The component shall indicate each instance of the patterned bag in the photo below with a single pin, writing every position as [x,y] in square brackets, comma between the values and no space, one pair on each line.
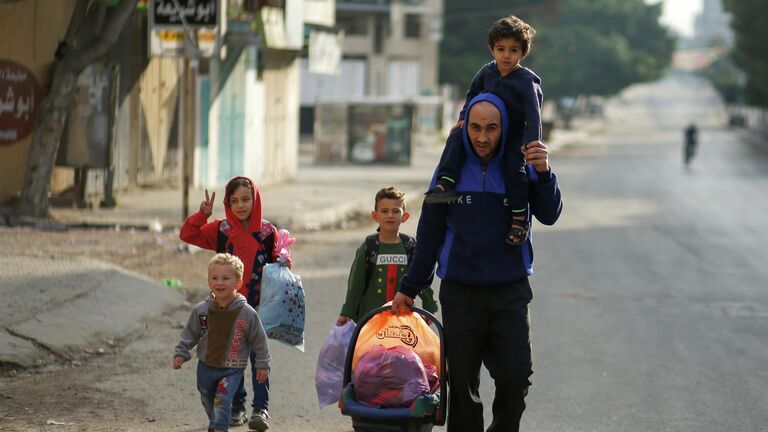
[282,307]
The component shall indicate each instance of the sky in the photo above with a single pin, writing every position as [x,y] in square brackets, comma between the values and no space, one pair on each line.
[679,14]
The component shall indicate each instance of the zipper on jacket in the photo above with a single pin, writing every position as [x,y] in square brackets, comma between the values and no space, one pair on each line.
[486,275]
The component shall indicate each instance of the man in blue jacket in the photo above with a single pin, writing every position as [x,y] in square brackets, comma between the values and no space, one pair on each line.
[484,290]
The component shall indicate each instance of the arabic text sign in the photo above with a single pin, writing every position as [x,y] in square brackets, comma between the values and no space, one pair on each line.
[196,12]
[20,99]
[166,42]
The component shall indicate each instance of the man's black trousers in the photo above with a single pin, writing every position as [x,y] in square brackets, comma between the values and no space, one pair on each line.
[489,325]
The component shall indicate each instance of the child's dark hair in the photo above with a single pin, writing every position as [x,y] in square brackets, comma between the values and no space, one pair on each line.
[512,27]
[390,192]
[234,184]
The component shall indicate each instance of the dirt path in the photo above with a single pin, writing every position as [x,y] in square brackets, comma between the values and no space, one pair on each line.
[106,391]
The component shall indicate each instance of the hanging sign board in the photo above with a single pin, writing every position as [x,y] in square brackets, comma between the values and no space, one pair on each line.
[172,22]
[197,13]
[20,99]
[325,51]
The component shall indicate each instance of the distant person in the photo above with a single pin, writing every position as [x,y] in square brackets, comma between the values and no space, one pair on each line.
[252,239]
[226,331]
[381,260]
[484,290]
[691,141]
[510,40]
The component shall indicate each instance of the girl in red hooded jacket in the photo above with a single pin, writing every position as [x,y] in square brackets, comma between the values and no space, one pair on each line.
[246,234]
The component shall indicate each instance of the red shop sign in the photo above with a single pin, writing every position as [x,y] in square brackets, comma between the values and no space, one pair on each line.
[20,99]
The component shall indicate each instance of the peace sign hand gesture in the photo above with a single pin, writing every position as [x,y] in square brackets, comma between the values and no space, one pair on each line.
[206,207]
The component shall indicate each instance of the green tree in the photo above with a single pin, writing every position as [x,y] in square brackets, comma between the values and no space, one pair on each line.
[595,47]
[464,48]
[750,54]
[599,47]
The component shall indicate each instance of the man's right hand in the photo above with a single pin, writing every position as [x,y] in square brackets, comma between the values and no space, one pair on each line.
[400,303]
[342,320]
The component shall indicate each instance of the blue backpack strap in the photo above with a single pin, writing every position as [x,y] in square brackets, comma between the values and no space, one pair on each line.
[269,243]
[409,243]
[371,252]
[221,239]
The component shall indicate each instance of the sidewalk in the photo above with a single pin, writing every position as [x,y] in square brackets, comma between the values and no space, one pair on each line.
[321,196]
[90,297]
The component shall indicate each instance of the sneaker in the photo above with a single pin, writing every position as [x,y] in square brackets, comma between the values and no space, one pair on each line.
[258,420]
[441,194]
[239,416]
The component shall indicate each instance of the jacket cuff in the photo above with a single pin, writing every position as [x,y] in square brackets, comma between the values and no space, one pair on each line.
[183,354]
[544,177]
[412,293]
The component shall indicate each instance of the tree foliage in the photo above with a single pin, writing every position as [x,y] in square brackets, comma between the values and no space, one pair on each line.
[599,47]
[464,48]
[595,47]
[750,53]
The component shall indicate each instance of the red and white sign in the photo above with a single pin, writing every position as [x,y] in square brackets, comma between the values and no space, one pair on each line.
[20,99]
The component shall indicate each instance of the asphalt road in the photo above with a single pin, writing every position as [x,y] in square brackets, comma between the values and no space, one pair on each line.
[650,307]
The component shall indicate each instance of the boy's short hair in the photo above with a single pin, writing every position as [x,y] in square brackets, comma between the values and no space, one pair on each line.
[512,27]
[390,192]
[227,259]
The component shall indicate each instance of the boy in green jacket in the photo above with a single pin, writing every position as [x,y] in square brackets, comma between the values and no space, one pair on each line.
[381,261]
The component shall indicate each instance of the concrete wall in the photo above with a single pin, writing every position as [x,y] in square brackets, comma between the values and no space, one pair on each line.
[397,48]
[30,31]
[254,119]
[281,115]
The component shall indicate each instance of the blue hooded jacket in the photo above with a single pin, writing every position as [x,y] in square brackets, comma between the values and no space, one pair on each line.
[467,238]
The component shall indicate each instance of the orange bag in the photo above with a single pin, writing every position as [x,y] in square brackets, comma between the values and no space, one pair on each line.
[405,330]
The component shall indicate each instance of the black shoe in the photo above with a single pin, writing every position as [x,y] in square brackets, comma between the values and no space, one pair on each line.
[441,194]
[518,232]
[239,416]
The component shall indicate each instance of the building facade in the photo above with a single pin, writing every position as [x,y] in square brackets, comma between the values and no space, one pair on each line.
[245,100]
[389,50]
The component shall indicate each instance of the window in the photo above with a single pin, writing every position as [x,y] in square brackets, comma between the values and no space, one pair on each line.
[412,26]
[352,25]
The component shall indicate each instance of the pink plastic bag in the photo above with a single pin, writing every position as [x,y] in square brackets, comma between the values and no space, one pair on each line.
[283,241]
[389,377]
[329,375]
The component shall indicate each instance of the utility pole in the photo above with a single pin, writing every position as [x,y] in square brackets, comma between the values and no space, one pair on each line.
[188,109]
[188,134]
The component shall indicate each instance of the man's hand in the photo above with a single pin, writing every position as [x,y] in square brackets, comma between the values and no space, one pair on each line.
[177,362]
[342,320]
[536,153]
[206,207]
[400,303]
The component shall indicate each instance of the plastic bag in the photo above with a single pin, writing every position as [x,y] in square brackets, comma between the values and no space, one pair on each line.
[389,377]
[329,375]
[408,330]
[283,241]
[282,307]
